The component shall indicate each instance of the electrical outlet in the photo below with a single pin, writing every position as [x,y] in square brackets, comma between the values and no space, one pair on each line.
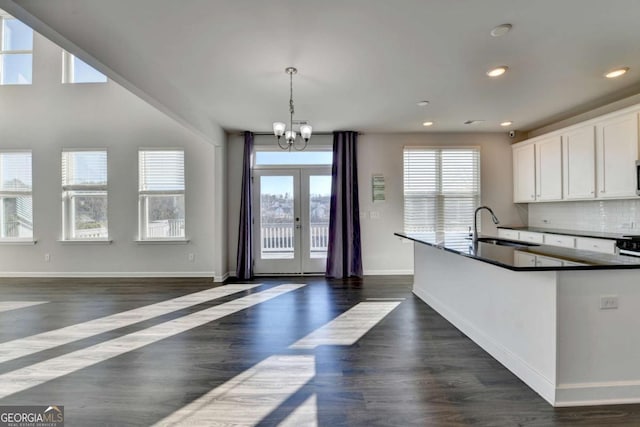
[374,215]
[192,257]
[608,302]
[47,257]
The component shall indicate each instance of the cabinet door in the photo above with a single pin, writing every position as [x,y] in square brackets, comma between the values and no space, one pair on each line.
[579,160]
[616,154]
[524,174]
[549,169]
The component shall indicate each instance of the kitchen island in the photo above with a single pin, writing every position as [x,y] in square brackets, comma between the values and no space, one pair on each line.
[566,324]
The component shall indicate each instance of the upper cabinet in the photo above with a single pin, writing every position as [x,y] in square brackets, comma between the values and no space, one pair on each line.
[549,169]
[616,155]
[592,160]
[524,173]
[537,171]
[579,155]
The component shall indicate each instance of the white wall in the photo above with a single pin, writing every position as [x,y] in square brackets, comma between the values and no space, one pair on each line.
[48,116]
[384,253]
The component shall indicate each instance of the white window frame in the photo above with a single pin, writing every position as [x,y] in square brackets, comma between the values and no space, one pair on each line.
[68,70]
[270,148]
[68,207]
[11,194]
[143,202]
[438,196]
[3,17]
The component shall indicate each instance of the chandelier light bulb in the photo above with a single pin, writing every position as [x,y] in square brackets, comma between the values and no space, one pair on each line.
[278,129]
[290,136]
[305,132]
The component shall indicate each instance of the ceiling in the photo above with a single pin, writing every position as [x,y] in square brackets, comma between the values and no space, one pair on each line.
[363,64]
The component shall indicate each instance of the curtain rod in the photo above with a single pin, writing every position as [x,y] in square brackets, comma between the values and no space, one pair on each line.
[271,134]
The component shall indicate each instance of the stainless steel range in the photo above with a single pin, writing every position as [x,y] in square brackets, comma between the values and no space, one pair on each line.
[630,245]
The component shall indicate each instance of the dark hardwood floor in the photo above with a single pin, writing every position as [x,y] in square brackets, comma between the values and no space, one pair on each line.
[411,369]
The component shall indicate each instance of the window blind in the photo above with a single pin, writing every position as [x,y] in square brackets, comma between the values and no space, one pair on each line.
[441,189]
[15,172]
[161,170]
[84,168]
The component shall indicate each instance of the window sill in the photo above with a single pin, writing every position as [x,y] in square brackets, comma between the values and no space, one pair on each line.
[18,242]
[85,242]
[163,242]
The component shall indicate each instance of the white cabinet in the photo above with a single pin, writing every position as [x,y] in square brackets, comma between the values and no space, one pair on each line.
[579,163]
[506,233]
[616,154]
[524,174]
[537,171]
[560,240]
[548,169]
[596,245]
[532,237]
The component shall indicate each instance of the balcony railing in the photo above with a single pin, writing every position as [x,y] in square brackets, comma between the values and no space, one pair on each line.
[17,229]
[166,228]
[279,238]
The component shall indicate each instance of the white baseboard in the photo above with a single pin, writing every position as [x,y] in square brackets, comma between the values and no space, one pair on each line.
[601,393]
[112,274]
[387,272]
[534,379]
[220,279]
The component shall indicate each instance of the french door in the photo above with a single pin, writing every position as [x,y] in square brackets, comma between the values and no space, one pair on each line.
[291,220]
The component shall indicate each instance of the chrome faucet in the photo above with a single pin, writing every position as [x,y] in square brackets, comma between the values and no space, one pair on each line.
[475,221]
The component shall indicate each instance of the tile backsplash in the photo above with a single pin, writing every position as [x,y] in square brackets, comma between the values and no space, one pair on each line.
[615,216]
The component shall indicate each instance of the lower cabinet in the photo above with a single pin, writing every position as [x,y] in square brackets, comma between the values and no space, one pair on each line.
[596,245]
[604,246]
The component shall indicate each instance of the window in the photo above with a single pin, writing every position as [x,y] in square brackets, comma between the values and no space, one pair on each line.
[266,157]
[74,70]
[16,208]
[161,194]
[441,190]
[16,52]
[84,195]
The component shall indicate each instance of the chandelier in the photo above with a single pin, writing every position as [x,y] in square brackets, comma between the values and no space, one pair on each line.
[290,136]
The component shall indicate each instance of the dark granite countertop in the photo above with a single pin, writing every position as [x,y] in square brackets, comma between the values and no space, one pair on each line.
[525,258]
[578,233]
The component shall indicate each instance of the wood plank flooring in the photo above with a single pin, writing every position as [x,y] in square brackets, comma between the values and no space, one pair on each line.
[325,352]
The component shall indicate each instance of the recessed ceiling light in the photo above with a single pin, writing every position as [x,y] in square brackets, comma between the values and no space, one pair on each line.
[505,124]
[498,71]
[422,103]
[501,30]
[427,124]
[617,72]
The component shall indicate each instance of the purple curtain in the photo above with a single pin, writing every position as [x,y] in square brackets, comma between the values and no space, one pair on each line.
[344,255]
[244,259]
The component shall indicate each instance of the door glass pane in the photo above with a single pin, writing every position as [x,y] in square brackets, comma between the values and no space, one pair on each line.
[277,220]
[319,202]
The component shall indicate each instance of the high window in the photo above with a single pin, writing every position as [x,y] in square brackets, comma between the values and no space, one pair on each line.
[441,190]
[161,189]
[74,70]
[84,195]
[16,52]
[16,208]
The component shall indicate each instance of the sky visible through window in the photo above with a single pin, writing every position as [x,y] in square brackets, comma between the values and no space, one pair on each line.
[319,185]
[294,157]
[84,73]
[16,37]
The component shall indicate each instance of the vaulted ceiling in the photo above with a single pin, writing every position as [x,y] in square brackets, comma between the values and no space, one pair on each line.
[363,64]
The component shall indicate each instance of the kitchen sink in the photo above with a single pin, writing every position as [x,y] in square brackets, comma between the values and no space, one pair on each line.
[503,242]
